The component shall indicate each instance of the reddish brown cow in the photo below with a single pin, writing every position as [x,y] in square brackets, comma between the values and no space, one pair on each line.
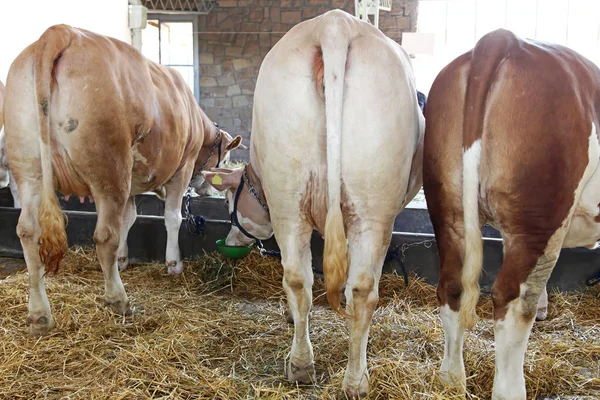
[511,139]
[89,115]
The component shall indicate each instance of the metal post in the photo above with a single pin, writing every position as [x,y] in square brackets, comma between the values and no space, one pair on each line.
[137,22]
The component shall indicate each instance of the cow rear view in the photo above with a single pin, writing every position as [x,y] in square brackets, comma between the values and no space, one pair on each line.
[336,146]
[88,115]
[512,140]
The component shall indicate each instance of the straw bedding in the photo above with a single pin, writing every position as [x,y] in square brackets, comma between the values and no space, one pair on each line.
[218,331]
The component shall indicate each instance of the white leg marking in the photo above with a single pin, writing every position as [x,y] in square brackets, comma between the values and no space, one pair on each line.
[512,335]
[173,222]
[452,372]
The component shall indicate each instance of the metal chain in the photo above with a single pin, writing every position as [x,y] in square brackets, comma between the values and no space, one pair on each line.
[194,224]
[399,253]
[252,190]
[264,252]
[212,151]
[426,243]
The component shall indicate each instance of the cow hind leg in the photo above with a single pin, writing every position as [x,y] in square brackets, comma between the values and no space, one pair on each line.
[40,319]
[296,259]
[366,253]
[128,219]
[449,290]
[515,308]
[107,237]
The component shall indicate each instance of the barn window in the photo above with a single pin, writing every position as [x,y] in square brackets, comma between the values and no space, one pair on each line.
[458,24]
[171,40]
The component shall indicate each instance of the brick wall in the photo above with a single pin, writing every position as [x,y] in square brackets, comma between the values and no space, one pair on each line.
[237,34]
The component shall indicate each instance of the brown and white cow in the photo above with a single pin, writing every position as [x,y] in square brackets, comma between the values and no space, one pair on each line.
[337,146]
[511,139]
[89,115]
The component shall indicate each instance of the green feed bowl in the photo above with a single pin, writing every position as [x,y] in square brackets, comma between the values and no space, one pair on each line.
[232,251]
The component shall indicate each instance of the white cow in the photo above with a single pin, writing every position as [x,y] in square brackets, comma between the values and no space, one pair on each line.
[3,164]
[337,146]
[6,177]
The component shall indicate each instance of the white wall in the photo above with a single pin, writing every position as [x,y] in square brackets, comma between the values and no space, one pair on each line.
[23,21]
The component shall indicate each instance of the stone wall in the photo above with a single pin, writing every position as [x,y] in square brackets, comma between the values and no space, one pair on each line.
[237,34]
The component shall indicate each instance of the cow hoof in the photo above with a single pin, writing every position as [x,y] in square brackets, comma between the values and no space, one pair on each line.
[40,326]
[123,263]
[119,307]
[452,380]
[305,375]
[352,394]
[542,314]
[174,267]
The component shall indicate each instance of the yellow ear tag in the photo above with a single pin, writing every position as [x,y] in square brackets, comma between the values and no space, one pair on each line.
[217,180]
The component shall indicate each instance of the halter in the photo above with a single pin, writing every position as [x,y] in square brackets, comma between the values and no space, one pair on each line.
[252,190]
[212,150]
[196,224]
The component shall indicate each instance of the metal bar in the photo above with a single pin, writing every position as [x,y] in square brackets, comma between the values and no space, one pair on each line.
[174,12]
[196,59]
[147,242]
[159,42]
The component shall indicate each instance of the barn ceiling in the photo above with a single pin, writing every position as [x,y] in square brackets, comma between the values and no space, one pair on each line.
[180,6]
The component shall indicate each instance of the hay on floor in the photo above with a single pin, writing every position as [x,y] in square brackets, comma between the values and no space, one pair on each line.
[217,331]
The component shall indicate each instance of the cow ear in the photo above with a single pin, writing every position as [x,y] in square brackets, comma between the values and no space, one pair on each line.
[223,179]
[235,143]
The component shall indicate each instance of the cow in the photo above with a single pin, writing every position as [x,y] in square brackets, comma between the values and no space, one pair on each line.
[511,139]
[6,178]
[3,164]
[337,146]
[88,115]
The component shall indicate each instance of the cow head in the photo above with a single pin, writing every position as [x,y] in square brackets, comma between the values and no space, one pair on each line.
[247,205]
[212,154]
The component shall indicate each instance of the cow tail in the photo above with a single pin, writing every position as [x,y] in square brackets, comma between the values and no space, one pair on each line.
[334,41]
[487,56]
[53,238]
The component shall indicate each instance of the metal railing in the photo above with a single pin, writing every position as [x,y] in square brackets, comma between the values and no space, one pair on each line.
[180,6]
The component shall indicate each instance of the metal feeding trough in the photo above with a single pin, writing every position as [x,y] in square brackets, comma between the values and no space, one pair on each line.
[413,244]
